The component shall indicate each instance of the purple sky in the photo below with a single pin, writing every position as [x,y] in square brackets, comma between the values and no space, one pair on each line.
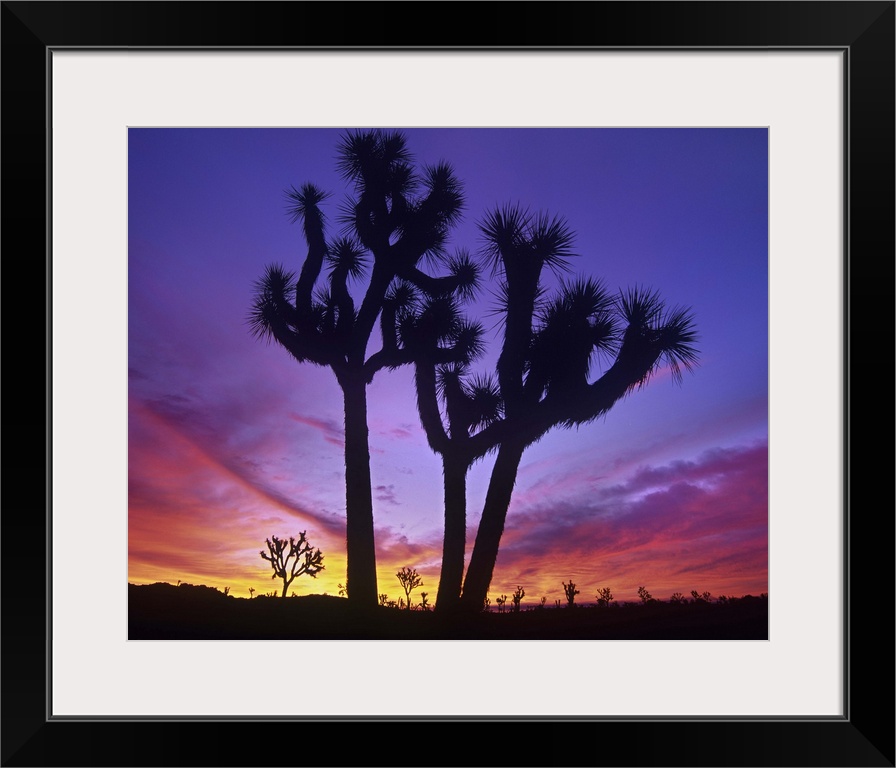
[231,440]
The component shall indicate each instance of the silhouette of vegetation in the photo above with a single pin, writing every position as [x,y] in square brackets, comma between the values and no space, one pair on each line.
[424,602]
[570,591]
[604,597]
[645,596]
[292,558]
[517,598]
[397,217]
[501,602]
[677,598]
[701,597]
[550,346]
[164,611]
[470,405]
[409,580]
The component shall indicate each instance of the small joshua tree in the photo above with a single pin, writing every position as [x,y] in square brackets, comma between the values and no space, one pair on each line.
[424,604]
[701,597]
[384,599]
[645,596]
[292,558]
[543,601]
[604,597]
[517,597]
[677,598]
[409,580]
[501,601]
[570,591]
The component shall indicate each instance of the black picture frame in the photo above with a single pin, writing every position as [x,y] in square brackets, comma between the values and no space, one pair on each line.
[864,736]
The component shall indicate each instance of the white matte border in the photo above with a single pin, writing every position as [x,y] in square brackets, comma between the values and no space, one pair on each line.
[97,95]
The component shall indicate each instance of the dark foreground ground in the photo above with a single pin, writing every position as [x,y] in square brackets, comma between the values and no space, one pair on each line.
[166,612]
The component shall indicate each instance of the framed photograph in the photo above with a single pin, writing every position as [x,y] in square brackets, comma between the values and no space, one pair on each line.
[704,190]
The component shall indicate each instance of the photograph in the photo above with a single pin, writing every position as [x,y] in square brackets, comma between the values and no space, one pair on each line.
[501,379]
[448,383]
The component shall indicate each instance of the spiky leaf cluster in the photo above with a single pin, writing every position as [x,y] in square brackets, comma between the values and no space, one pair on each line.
[395,218]
[668,335]
[572,327]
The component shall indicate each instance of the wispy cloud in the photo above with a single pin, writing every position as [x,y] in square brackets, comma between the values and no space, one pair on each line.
[386,493]
[672,525]
[332,432]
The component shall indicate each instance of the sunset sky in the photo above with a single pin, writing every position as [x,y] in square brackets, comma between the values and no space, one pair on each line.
[231,440]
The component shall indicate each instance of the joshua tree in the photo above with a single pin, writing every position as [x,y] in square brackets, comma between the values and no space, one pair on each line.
[548,351]
[604,597]
[397,217]
[431,331]
[517,598]
[677,598]
[292,558]
[409,580]
[472,405]
[645,596]
[570,591]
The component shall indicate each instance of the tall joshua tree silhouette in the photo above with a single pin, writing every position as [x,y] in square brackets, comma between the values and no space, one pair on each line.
[549,348]
[550,344]
[472,406]
[396,217]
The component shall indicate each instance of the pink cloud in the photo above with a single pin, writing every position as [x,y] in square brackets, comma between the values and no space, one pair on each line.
[703,523]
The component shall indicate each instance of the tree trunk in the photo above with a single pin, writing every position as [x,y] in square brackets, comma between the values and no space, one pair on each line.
[451,578]
[360,546]
[491,526]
